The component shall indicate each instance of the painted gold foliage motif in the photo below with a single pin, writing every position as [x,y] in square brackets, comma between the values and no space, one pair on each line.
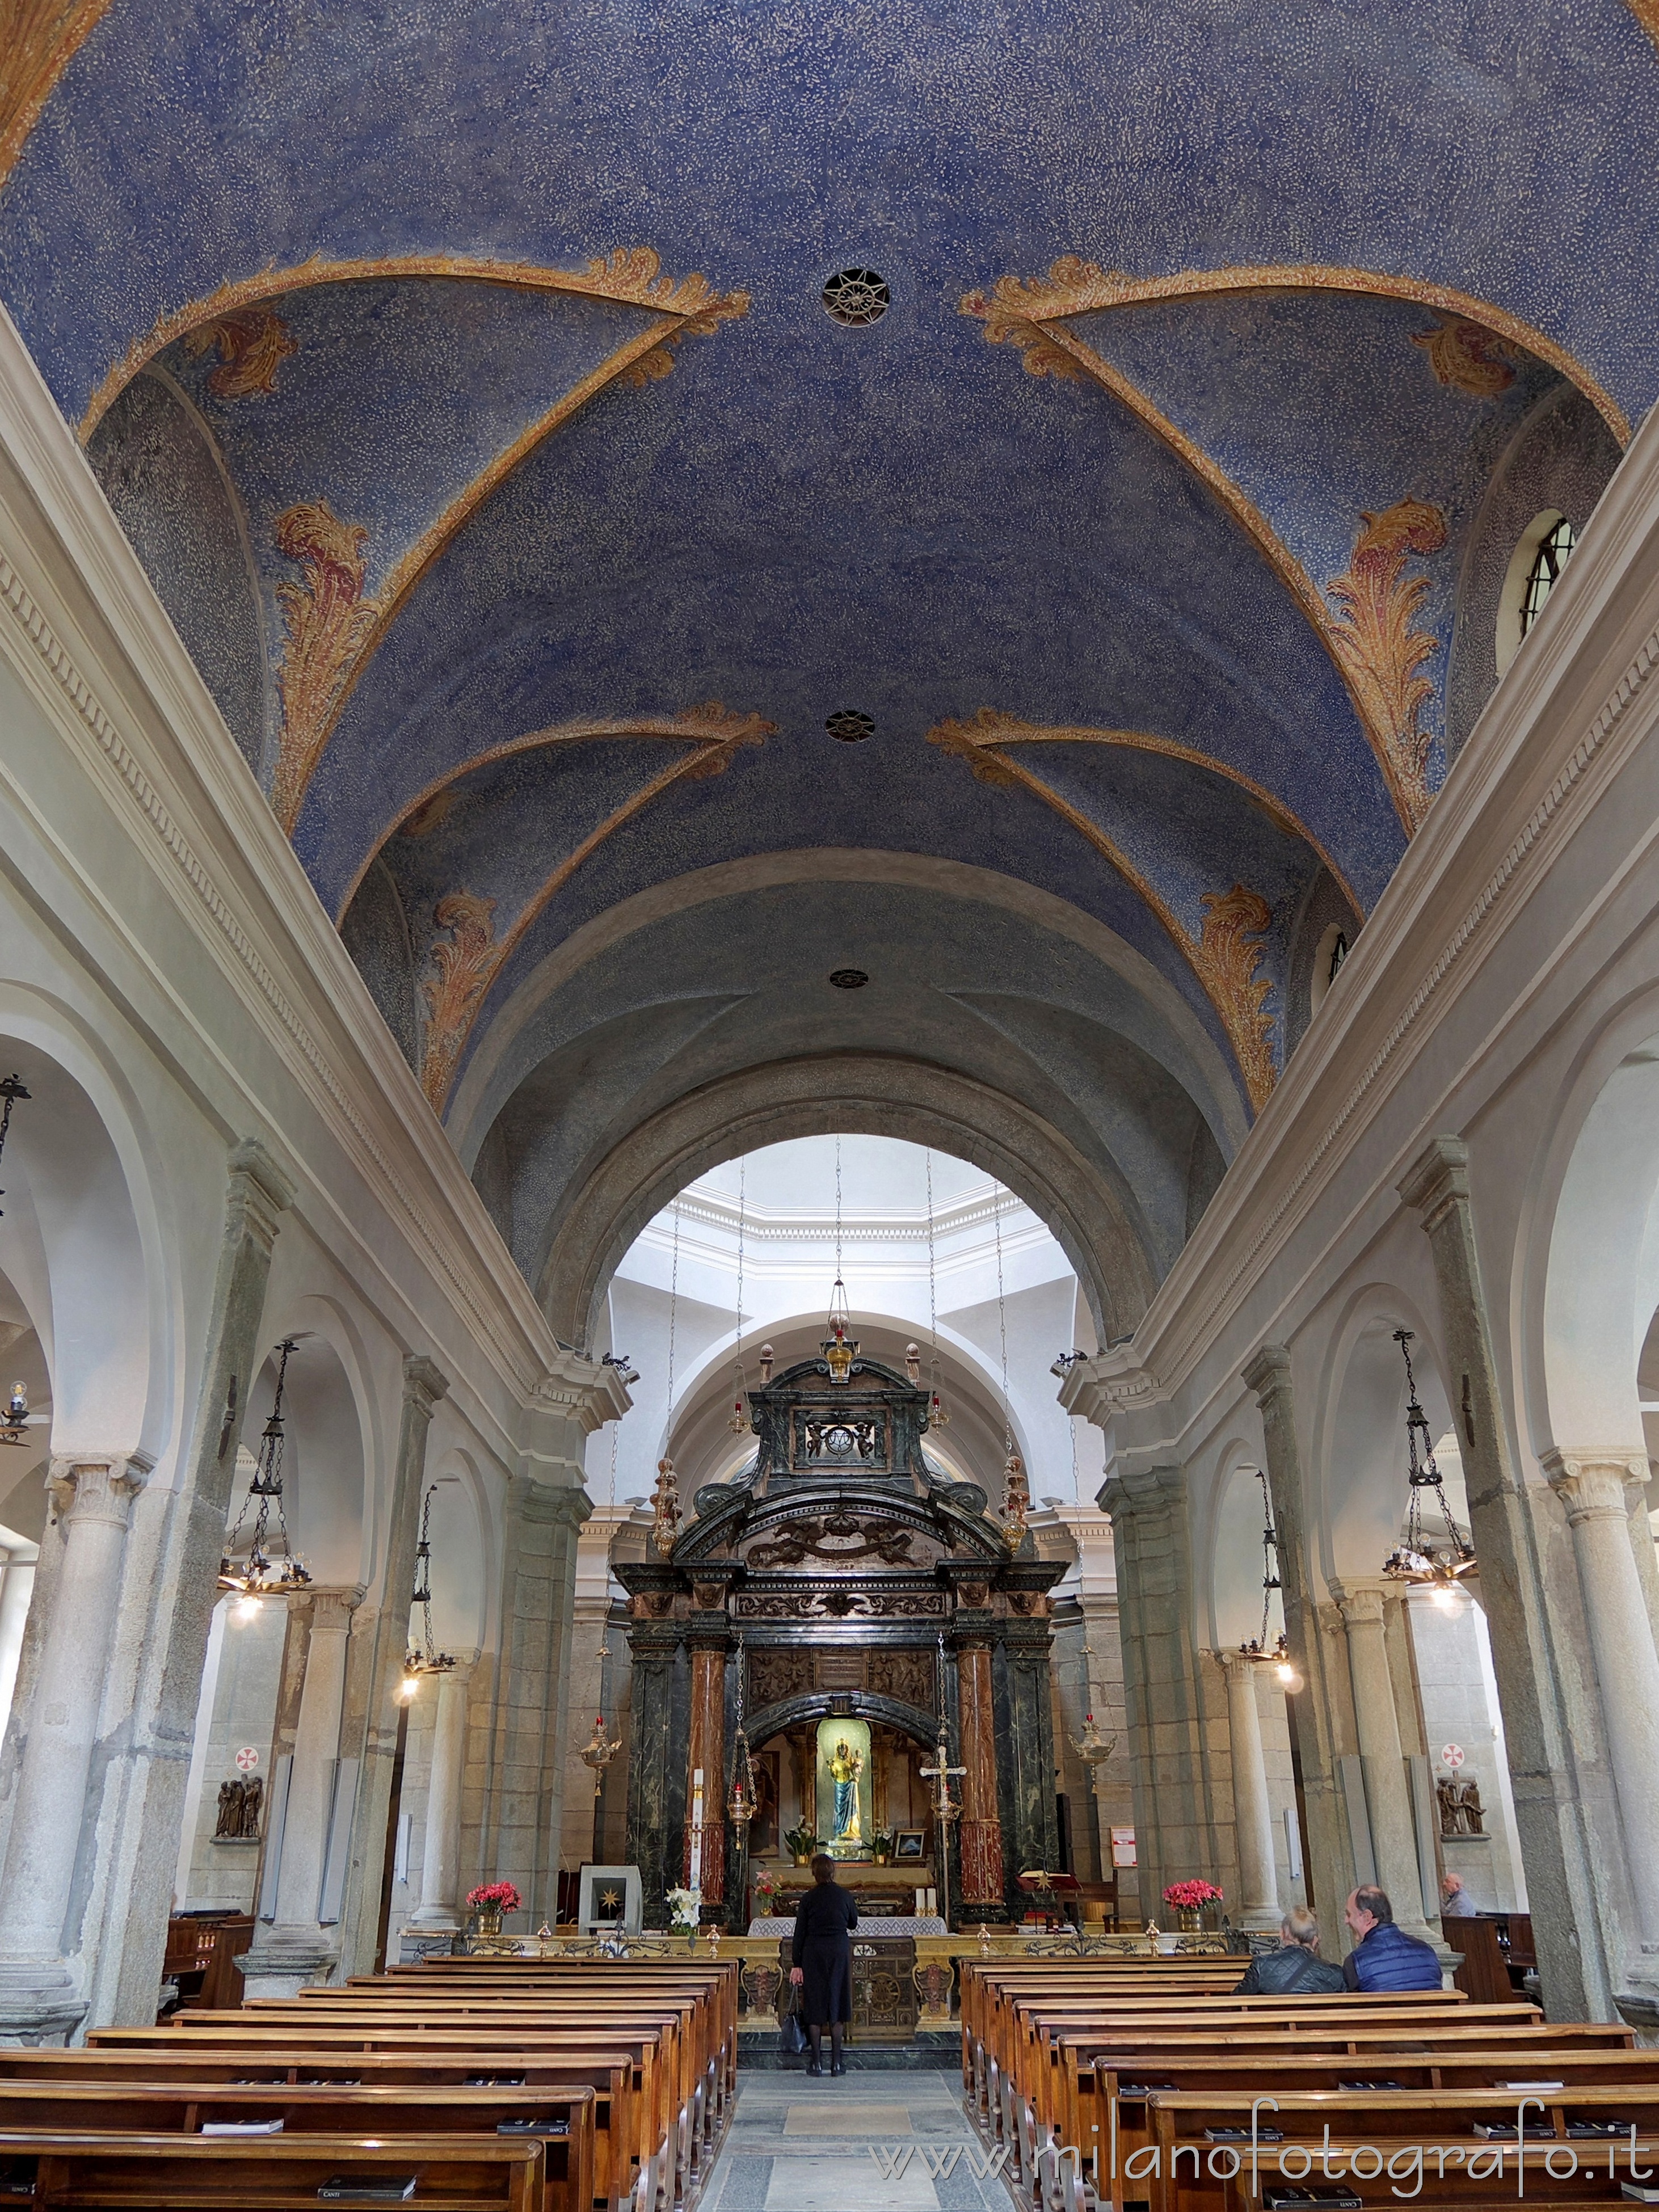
[718,730]
[1015,308]
[634,273]
[1228,954]
[1467,356]
[1223,956]
[1370,631]
[464,957]
[37,38]
[251,349]
[327,621]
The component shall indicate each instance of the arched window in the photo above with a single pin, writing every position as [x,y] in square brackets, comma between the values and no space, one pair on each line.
[1547,563]
[1535,565]
[1328,956]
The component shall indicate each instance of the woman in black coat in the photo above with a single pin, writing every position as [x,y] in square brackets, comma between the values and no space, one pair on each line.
[823,1961]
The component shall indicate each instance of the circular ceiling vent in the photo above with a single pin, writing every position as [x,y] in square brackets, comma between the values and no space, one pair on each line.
[851,726]
[848,979]
[857,297]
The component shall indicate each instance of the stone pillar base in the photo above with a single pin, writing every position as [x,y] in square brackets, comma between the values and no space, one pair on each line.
[38,2001]
[1260,1920]
[279,1968]
[432,1920]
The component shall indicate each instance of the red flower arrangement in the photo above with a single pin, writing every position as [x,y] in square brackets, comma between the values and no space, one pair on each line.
[1189,1896]
[494,1897]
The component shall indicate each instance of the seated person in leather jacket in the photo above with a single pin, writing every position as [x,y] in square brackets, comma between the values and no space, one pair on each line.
[1295,1969]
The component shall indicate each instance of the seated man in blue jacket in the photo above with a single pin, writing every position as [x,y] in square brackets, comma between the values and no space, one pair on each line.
[1385,1957]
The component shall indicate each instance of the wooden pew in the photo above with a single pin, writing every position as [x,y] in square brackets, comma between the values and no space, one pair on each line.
[200,2070]
[1435,2130]
[636,2170]
[1591,2061]
[269,2173]
[654,2032]
[566,2114]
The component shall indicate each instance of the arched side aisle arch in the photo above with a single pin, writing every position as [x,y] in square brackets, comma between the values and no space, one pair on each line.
[1091,1217]
[1586,1289]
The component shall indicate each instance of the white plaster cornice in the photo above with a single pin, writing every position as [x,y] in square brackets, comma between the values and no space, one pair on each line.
[1574,704]
[82,627]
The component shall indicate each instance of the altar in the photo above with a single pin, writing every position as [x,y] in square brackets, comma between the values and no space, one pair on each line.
[830,1628]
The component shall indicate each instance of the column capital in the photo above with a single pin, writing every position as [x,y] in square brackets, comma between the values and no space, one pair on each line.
[1234,1663]
[260,1192]
[1269,1371]
[1143,1490]
[1111,1383]
[1362,1598]
[334,1604]
[424,1384]
[564,1504]
[1595,1485]
[1436,1179]
[90,1486]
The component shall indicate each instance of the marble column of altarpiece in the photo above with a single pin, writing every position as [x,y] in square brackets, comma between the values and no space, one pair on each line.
[859,1562]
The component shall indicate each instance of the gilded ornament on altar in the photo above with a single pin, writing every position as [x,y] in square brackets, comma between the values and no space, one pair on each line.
[327,621]
[1228,954]
[1370,631]
[666,1508]
[251,349]
[1467,356]
[464,957]
[1016,1502]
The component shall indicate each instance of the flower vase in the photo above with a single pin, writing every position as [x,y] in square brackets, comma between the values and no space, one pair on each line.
[489,1922]
[1191,1919]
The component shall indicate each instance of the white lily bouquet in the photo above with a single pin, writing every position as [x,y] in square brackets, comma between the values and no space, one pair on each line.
[686,1908]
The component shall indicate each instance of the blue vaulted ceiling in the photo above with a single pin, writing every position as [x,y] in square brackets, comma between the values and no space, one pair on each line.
[527,572]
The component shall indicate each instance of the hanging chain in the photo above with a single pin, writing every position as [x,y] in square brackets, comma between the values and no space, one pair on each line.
[673,1304]
[933,1311]
[1002,1320]
[266,1484]
[742,1166]
[838,1209]
[1270,1580]
[11,1091]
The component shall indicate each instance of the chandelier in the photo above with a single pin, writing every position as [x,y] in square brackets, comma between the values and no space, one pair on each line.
[426,1659]
[1414,1558]
[259,1576]
[1277,1654]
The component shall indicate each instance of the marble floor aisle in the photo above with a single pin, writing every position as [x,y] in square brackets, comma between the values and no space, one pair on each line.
[799,2145]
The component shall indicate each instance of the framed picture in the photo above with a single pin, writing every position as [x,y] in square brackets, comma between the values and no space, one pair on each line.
[908,1843]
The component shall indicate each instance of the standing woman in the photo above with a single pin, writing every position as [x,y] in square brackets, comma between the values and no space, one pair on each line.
[823,1961]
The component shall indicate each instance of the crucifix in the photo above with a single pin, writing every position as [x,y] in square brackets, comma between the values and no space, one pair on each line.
[945,1810]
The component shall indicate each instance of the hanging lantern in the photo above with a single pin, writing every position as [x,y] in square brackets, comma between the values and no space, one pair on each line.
[666,1504]
[840,1348]
[740,1805]
[259,1576]
[15,1430]
[738,1419]
[1414,1558]
[597,1754]
[427,1660]
[1093,1748]
[1016,1501]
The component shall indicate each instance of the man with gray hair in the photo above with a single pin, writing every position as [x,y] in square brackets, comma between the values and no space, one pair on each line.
[1295,1969]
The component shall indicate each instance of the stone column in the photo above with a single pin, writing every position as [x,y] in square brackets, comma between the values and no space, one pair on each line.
[1383,1759]
[92,1498]
[1252,1809]
[978,1832]
[387,1631]
[440,1859]
[1595,1491]
[1030,1765]
[123,1924]
[1161,1695]
[653,1641]
[706,1640]
[299,1947]
[1573,1966]
[1327,1853]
